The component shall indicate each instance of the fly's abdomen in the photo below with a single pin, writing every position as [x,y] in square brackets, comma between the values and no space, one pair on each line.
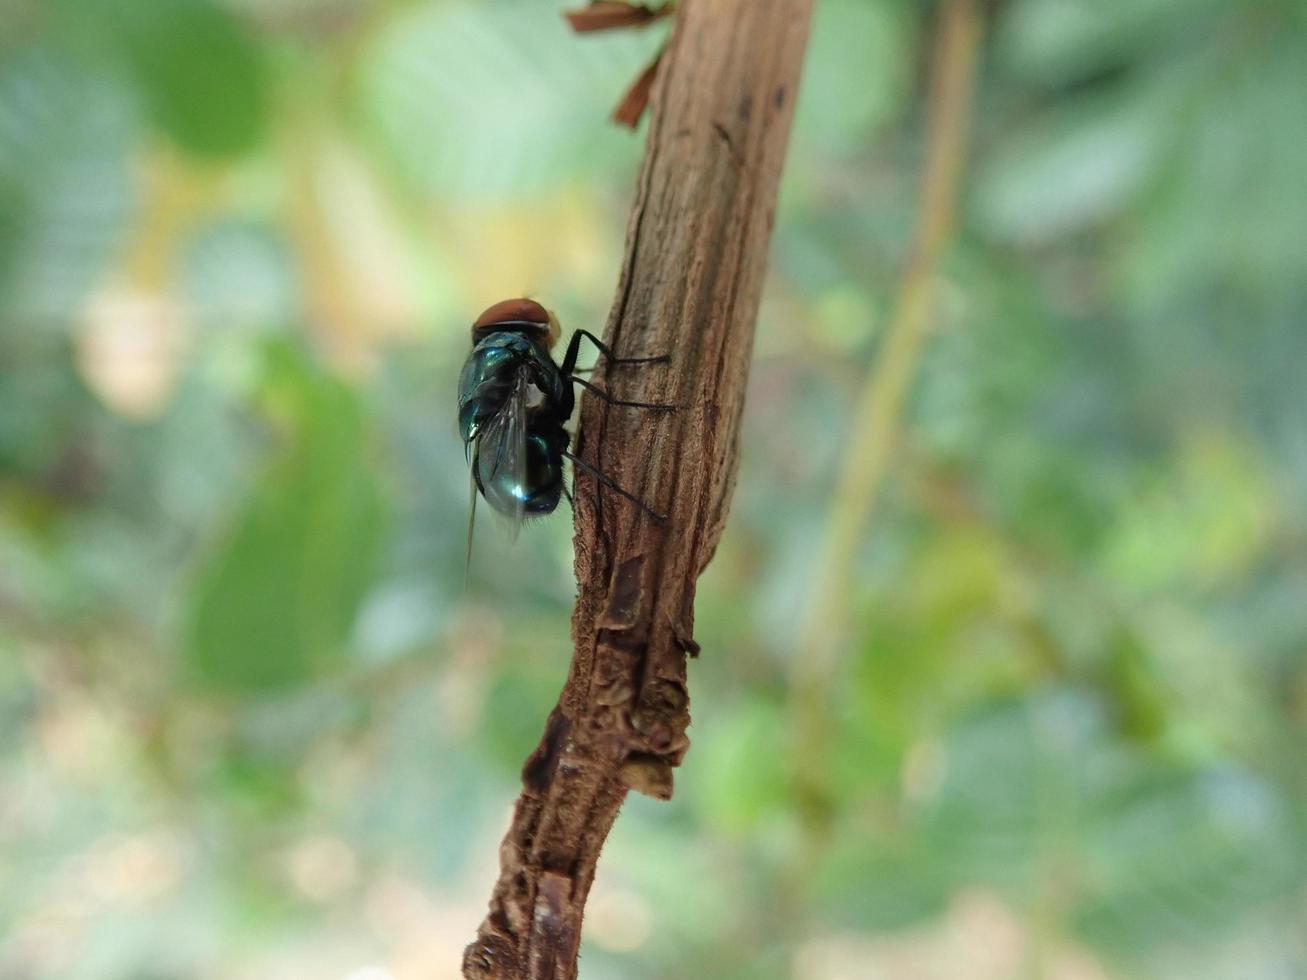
[536,490]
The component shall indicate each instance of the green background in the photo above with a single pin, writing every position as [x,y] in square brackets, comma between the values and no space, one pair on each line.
[254,725]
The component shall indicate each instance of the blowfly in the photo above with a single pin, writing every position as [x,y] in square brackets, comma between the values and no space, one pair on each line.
[513,401]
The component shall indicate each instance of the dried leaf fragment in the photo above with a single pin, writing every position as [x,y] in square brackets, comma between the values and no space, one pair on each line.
[607,15]
[636,99]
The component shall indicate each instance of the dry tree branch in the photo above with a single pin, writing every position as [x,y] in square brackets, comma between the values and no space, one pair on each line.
[690,286]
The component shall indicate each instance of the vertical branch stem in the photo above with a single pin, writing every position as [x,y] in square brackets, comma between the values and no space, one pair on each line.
[690,287]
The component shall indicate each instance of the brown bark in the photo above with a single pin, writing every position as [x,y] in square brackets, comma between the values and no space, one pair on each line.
[690,286]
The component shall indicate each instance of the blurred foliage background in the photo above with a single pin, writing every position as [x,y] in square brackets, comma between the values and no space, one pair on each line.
[252,725]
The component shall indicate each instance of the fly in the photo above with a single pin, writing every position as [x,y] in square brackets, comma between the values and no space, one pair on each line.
[513,401]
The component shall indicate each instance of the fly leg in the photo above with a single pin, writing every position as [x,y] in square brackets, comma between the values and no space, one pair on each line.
[600,393]
[574,348]
[608,481]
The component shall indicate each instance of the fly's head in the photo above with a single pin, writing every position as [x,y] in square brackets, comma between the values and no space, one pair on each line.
[524,316]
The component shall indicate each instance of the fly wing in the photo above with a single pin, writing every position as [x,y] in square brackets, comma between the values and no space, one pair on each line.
[471,515]
[499,459]
[515,453]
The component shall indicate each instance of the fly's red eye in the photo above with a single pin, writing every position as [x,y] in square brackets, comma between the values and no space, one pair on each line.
[512,309]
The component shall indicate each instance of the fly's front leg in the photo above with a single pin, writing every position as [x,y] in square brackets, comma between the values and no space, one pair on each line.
[574,348]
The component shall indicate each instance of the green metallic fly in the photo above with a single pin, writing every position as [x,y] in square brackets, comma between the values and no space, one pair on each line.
[513,401]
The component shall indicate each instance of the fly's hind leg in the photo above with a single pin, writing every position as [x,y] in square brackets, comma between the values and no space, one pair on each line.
[607,481]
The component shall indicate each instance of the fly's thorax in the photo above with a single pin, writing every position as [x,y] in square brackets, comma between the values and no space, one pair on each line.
[503,353]
[490,377]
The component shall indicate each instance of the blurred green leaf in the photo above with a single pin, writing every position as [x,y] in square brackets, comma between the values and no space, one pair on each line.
[873,880]
[276,602]
[1159,852]
[199,71]
[1134,679]
[1081,164]
[1058,40]
[744,775]
[498,99]
[240,275]
[1231,213]
[1186,858]
[66,189]
[1204,522]
[860,81]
